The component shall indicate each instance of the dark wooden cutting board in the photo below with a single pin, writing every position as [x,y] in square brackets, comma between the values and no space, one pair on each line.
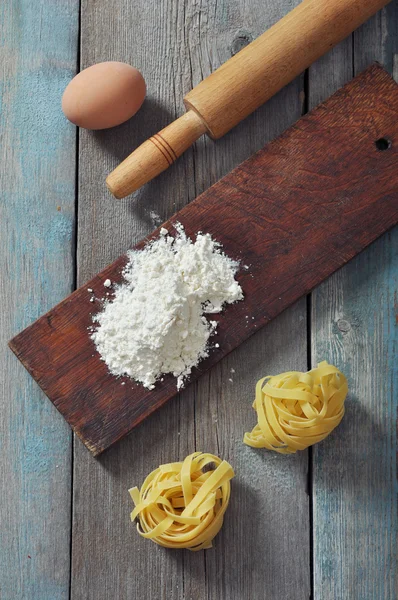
[294,213]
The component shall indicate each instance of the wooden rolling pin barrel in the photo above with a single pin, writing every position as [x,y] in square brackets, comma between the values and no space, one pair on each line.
[244,82]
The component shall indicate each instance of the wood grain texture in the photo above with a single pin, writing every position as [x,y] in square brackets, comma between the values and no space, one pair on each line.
[244,82]
[354,325]
[256,557]
[109,559]
[303,210]
[37,174]
[271,61]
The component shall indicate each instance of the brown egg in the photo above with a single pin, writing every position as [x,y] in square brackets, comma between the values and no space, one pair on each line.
[104,95]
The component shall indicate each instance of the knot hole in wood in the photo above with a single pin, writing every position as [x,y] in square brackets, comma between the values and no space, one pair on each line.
[383,143]
[241,39]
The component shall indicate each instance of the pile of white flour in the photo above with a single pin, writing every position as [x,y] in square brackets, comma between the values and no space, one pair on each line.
[155,324]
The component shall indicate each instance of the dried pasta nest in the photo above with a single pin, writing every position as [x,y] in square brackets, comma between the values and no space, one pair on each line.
[182,504]
[296,410]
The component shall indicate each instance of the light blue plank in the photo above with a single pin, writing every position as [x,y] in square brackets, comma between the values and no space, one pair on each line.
[38,50]
[355,326]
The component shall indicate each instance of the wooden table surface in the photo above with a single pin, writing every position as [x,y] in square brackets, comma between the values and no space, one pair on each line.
[320,524]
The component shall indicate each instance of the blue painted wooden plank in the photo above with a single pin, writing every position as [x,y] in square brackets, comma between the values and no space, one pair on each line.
[354,322]
[38,51]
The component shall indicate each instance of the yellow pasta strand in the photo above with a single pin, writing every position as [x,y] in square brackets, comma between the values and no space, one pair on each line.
[182,504]
[296,410]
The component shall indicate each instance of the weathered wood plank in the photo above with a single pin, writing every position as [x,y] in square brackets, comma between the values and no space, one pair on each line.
[175,45]
[354,326]
[272,208]
[37,172]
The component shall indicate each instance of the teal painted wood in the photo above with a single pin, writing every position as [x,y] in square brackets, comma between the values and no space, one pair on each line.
[38,48]
[355,326]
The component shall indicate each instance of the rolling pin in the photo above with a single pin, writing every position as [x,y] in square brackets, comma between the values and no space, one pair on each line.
[243,83]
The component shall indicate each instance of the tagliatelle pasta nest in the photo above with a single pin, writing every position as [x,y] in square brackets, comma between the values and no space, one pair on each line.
[182,504]
[296,410]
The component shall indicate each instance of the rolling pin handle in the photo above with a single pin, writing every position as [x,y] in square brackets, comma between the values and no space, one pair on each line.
[155,155]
